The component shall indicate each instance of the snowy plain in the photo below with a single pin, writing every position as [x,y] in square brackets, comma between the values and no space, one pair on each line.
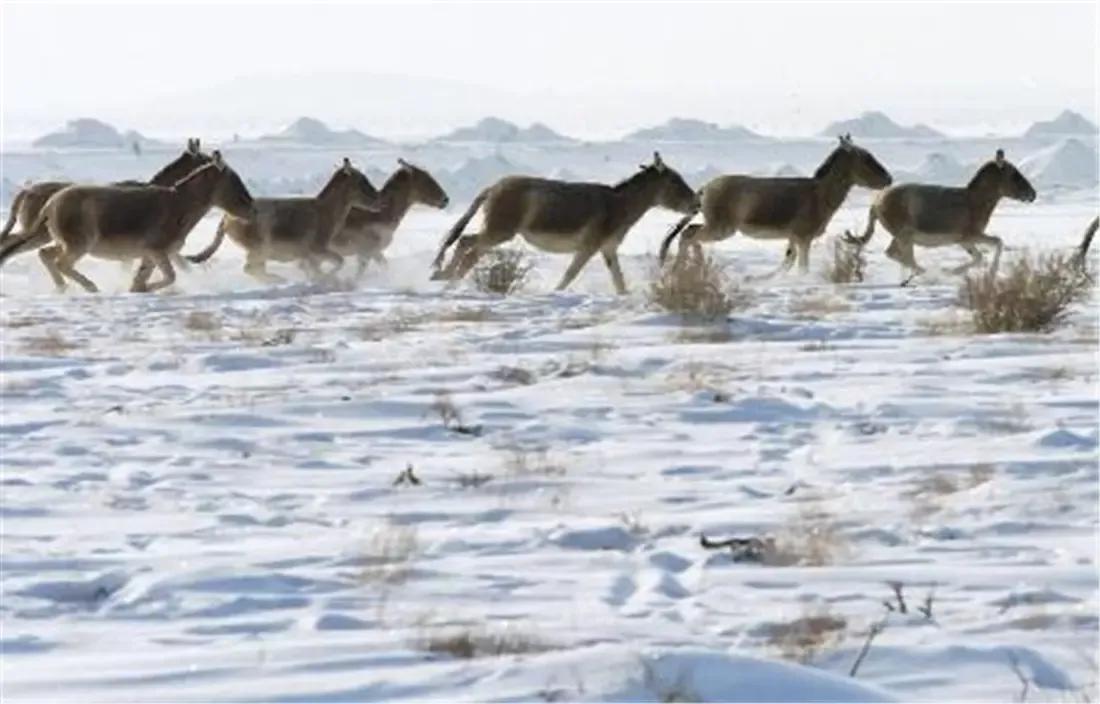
[198,496]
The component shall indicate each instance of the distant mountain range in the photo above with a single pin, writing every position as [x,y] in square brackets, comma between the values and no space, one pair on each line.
[88,133]
[312,132]
[876,125]
[680,129]
[1067,123]
[494,129]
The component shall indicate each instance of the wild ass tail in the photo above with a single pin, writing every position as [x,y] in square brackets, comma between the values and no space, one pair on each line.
[37,236]
[13,215]
[1086,242]
[872,218]
[211,248]
[676,229]
[456,231]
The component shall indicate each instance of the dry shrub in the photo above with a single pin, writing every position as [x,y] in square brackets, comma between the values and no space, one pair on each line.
[802,639]
[811,537]
[1034,295]
[929,494]
[476,642]
[817,306]
[389,554]
[526,462]
[502,270]
[696,287]
[848,263]
[50,343]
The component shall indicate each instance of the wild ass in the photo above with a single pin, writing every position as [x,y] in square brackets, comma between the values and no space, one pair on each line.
[565,217]
[937,216]
[129,222]
[366,234]
[28,202]
[295,229]
[793,209]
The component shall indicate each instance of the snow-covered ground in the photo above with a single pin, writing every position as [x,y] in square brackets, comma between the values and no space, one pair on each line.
[198,498]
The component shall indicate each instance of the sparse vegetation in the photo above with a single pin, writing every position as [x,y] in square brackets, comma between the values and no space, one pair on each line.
[450,416]
[804,638]
[848,263]
[478,642]
[697,288]
[525,462]
[389,554]
[810,537]
[818,306]
[502,270]
[201,321]
[50,343]
[1034,295]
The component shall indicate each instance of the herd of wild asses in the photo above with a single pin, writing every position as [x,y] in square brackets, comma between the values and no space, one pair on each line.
[149,221]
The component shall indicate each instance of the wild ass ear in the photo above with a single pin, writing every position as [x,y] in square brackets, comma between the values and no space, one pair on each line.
[403,163]
[216,159]
[658,162]
[347,165]
[999,157]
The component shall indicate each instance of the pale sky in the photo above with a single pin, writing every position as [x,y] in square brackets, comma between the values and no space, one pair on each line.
[587,69]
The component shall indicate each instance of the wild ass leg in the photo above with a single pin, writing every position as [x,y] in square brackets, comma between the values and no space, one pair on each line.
[999,247]
[65,262]
[255,265]
[49,255]
[802,249]
[784,266]
[581,258]
[901,251]
[611,258]
[327,255]
[168,274]
[141,276]
[975,258]
[477,246]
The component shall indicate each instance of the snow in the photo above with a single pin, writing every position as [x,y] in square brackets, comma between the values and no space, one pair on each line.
[208,512]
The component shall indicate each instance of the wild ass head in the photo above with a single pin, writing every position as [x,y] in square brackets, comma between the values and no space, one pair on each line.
[1005,179]
[672,191]
[860,165]
[424,188]
[352,186]
[230,193]
[192,158]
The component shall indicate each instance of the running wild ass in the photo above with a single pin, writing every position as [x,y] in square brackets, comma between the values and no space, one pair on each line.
[565,217]
[366,234]
[296,229]
[149,223]
[937,216]
[795,210]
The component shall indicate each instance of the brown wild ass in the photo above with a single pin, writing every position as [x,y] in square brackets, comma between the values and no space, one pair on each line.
[366,234]
[130,222]
[565,217]
[937,216]
[28,202]
[796,210]
[295,229]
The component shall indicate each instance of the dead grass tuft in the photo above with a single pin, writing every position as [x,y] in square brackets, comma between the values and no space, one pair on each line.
[502,270]
[1034,295]
[930,494]
[50,344]
[848,263]
[697,288]
[389,554]
[818,306]
[811,537]
[527,462]
[806,637]
[479,642]
[201,321]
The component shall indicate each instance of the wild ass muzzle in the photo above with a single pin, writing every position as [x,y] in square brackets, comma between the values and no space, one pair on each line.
[296,229]
[149,223]
[30,199]
[795,210]
[938,216]
[366,234]
[565,217]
